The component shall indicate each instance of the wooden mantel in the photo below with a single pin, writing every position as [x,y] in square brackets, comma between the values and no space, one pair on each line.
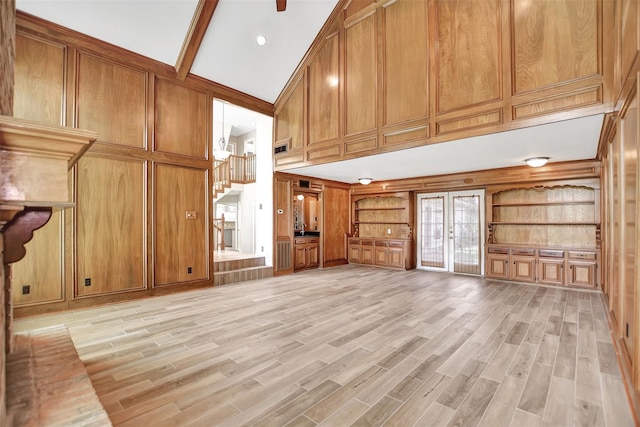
[34,161]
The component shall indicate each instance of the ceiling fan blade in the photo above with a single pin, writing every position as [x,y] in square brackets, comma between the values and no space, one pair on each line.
[281,5]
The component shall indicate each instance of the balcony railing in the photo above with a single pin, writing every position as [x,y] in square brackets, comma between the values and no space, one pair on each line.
[233,170]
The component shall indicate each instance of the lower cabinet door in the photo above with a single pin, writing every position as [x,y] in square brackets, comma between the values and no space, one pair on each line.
[381,256]
[312,256]
[354,253]
[300,257]
[366,254]
[581,273]
[523,268]
[498,266]
[551,271]
[395,257]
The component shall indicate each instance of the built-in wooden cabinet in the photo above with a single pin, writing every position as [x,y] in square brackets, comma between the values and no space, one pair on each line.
[306,253]
[546,233]
[382,230]
[549,266]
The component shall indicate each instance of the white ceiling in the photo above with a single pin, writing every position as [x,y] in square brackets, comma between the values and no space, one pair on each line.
[230,55]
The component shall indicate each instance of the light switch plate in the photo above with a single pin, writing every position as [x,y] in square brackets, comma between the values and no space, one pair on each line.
[191,215]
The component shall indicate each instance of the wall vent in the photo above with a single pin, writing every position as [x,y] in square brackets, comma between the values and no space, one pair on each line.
[280,149]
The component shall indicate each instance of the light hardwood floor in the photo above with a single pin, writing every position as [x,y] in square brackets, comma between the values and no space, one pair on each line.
[353,346]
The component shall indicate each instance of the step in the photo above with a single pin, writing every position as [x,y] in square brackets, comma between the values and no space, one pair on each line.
[237,264]
[242,275]
[47,383]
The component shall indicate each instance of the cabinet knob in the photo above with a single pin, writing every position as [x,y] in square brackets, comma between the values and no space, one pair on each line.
[506,261]
[571,267]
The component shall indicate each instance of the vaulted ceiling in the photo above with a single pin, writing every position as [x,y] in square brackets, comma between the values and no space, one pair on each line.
[216,40]
[228,52]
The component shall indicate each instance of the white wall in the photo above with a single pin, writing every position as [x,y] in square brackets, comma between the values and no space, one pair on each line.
[247,219]
[263,204]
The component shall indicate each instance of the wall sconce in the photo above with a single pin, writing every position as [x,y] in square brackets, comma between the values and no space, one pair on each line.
[300,197]
[536,162]
[365,181]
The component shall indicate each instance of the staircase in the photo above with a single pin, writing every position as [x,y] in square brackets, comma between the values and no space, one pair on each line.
[240,270]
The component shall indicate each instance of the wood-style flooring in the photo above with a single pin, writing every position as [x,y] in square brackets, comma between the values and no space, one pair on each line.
[353,346]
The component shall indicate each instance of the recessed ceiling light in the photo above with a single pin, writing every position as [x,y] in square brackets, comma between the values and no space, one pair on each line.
[536,162]
[261,40]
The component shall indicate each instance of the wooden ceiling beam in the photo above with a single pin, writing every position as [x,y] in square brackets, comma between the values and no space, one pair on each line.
[197,29]
[281,5]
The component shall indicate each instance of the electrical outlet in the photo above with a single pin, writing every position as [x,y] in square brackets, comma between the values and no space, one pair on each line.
[388,231]
[189,270]
[26,290]
[87,281]
[261,248]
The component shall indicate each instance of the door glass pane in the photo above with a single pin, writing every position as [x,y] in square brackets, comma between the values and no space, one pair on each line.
[466,234]
[432,226]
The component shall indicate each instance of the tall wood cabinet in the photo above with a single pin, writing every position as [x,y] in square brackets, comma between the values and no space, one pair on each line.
[545,233]
[383,230]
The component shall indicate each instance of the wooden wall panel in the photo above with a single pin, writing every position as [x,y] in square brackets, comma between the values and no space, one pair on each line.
[405,62]
[182,119]
[181,242]
[8,54]
[336,223]
[111,100]
[324,100]
[629,28]
[39,80]
[630,237]
[283,199]
[618,229]
[290,120]
[111,218]
[361,83]
[553,42]
[356,6]
[468,58]
[42,267]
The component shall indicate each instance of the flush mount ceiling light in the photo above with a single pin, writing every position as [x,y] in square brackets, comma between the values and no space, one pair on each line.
[365,181]
[536,162]
[261,40]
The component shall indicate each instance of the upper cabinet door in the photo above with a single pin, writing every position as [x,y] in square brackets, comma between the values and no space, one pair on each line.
[468,60]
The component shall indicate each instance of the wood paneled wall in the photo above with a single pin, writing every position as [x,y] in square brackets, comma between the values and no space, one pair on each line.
[386,75]
[7,55]
[620,148]
[141,221]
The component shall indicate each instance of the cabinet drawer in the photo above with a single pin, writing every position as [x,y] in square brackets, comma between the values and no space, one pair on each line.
[523,252]
[300,241]
[549,253]
[366,242]
[582,255]
[492,250]
[312,240]
[396,244]
[381,243]
[354,241]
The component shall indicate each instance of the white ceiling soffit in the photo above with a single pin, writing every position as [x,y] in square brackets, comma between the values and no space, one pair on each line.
[155,29]
[230,55]
[575,139]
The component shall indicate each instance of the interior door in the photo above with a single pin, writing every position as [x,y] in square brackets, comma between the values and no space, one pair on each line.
[450,231]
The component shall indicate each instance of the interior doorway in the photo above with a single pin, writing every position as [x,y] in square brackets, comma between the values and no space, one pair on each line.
[450,232]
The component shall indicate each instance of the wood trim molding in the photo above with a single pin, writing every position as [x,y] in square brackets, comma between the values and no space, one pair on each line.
[198,28]
[481,179]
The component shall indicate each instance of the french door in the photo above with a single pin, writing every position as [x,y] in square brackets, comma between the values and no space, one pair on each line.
[451,232]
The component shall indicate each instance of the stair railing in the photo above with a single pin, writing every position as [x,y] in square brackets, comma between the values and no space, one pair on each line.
[218,238]
[234,169]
